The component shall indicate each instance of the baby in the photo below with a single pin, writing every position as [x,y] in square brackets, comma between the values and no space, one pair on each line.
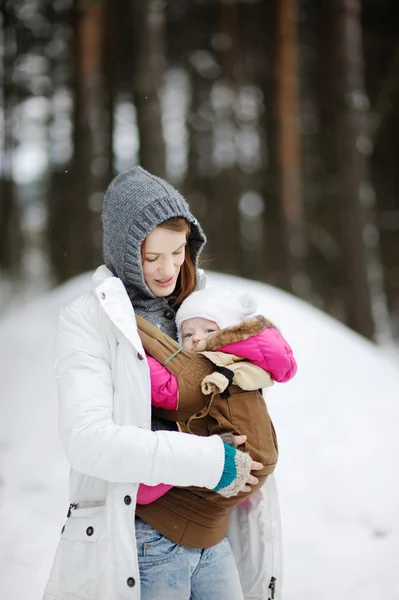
[240,354]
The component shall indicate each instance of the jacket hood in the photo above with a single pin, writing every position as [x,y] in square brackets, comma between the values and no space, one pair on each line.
[135,202]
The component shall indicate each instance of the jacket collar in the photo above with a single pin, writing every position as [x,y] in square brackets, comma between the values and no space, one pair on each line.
[113,298]
[101,275]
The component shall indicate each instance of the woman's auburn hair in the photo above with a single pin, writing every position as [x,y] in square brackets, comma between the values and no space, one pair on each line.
[187,277]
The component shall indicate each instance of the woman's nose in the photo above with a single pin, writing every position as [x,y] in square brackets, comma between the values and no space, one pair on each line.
[168,268]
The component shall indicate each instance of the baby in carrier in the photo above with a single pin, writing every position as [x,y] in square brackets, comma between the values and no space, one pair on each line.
[231,356]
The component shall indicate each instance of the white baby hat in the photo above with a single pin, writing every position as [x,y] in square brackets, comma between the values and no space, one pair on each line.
[221,305]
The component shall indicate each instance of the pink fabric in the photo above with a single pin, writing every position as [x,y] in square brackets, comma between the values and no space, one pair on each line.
[164,386]
[270,351]
[147,494]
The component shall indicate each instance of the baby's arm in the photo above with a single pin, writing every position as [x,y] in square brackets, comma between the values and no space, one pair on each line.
[164,386]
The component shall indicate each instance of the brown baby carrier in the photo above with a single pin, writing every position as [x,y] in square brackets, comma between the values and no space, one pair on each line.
[197,517]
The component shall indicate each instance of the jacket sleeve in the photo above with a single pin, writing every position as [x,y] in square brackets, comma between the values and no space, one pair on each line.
[147,494]
[164,387]
[269,350]
[94,444]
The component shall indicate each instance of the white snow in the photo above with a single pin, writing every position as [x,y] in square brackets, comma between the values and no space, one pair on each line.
[336,424]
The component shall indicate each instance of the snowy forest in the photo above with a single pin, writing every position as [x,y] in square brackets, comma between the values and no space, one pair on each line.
[279,122]
[277,119]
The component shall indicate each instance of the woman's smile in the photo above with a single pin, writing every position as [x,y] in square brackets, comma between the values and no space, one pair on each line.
[165,282]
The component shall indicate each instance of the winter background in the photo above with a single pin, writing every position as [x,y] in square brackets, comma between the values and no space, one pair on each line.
[279,121]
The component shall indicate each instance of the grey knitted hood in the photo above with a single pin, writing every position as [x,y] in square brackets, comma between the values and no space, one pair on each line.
[136,202]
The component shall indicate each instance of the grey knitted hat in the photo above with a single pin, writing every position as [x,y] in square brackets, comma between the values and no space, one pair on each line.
[136,202]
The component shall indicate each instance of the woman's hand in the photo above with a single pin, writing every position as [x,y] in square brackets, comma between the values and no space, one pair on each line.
[255,466]
[236,476]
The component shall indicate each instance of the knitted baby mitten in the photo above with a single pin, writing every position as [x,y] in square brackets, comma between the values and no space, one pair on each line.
[237,467]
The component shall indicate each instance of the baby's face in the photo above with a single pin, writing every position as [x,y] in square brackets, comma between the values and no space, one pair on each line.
[196,329]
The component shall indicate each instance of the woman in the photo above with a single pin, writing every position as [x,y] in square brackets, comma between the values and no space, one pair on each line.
[105,414]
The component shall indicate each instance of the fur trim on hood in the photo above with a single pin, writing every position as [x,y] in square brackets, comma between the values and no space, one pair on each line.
[235,333]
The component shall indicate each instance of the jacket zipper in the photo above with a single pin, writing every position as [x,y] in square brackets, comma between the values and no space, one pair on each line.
[273,579]
[84,504]
[70,509]
[272,588]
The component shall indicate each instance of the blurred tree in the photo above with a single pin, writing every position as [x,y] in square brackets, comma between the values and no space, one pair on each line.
[348,106]
[382,81]
[148,28]
[72,187]
[250,67]
[227,179]
[198,185]
[276,255]
[109,49]
[10,218]
[288,144]
[318,165]
[213,180]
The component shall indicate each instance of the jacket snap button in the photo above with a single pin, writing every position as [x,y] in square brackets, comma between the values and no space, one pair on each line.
[140,356]
[63,529]
[198,414]
[131,582]
[103,296]
[168,314]
[127,500]
[90,530]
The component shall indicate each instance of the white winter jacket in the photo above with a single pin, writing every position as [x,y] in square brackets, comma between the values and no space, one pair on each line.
[105,428]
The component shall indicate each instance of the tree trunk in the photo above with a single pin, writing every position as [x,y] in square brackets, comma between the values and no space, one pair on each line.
[288,142]
[148,64]
[109,56]
[227,184]
[276,253]
[361,269]
[73,231]
[10,220]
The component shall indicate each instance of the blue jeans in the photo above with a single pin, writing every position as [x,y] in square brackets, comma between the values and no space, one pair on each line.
[173,572]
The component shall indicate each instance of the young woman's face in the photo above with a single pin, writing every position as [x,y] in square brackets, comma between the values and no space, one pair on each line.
[164,252]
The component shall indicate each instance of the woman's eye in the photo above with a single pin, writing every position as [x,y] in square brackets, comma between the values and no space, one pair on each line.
[187,335]
[210,330]
[178,252]
[151,259]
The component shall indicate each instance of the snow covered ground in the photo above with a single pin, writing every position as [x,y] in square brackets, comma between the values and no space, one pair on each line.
[336,423]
